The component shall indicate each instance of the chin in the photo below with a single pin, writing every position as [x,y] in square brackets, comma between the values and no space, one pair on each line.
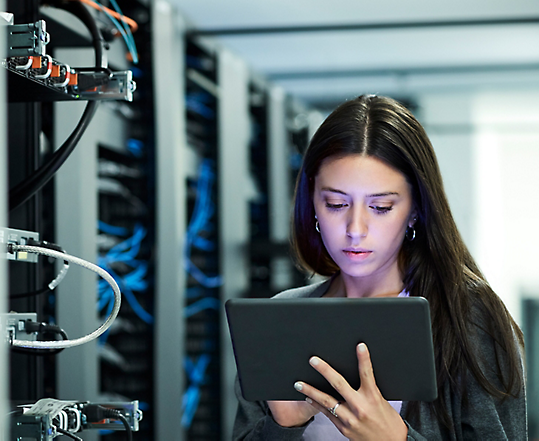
[356,272]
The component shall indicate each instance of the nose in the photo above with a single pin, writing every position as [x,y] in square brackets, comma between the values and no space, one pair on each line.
[357,223]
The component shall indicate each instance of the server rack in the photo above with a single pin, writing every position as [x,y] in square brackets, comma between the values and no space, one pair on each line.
[25,125]
[272,269]
[126,182]
[106,200]
[202,137]
[4,426]
[260,253]
[65,213]
[201,403]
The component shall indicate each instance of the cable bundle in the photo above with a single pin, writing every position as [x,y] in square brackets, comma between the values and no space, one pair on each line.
[125,253]
[200,221]
[25,189]
[198,102]
[199,228]
[126,27]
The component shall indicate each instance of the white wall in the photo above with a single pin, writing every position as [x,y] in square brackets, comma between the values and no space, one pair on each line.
[509,121]
[487,143]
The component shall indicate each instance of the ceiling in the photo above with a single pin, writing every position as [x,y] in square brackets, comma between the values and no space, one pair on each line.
[323,51]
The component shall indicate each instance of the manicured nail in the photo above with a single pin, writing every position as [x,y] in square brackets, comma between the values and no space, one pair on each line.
[361,347]
[298,385]
[309,400]
[314,361]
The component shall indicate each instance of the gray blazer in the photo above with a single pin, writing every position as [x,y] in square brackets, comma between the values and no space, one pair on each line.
[477,416]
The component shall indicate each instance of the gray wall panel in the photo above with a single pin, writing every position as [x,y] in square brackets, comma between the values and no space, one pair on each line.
[171,216]
[234,196]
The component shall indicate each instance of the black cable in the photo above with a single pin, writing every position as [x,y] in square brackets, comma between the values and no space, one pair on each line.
[41,328]
[124,421]
[24,190]
[29,294]
[68,434]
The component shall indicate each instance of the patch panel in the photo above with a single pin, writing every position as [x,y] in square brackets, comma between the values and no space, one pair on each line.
[27,39]
[49,418]
[13,325]
[18,237]
[36,76]
[64,82]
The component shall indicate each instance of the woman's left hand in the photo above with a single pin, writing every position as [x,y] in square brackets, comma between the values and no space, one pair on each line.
[365,415]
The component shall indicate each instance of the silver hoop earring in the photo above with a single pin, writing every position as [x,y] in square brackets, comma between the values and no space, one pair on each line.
[410,233]
[317,226]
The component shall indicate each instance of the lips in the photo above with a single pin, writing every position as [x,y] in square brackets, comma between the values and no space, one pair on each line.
[356,250]
[357,253]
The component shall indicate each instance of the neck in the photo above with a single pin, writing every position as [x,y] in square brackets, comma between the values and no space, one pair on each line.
[352,287]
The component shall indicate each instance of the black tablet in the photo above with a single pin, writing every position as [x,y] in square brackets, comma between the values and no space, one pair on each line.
[273,340]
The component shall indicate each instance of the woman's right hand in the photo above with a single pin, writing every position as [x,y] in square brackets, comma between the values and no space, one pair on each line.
[291,413]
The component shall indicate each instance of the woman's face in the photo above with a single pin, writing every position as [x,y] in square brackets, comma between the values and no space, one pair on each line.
[364,207]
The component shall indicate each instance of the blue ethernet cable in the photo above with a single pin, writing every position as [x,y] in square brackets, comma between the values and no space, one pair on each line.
[195,373]
[126,253]
[202,212]
[129,296]
[201,305]
[127,31]
[130,42]
[135,147]
[111,229]
[200,108]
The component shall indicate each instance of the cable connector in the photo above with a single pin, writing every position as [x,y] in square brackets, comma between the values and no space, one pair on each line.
[89,81]
[42,327]
[95,84]
[95,413]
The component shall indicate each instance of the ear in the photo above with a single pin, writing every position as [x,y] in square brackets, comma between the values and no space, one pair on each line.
[413,218]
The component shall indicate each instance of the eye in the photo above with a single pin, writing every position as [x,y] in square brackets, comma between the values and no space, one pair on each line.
[380,209]
[335,206]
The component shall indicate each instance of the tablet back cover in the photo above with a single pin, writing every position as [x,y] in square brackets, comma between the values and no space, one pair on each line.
[273,340]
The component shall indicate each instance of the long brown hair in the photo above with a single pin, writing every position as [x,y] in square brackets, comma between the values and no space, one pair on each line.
[437,264]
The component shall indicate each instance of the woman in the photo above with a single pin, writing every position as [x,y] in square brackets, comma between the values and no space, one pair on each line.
[371,213]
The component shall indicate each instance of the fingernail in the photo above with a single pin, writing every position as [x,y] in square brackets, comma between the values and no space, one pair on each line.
[309,400]
[361,347]
[314,361]
[298,385]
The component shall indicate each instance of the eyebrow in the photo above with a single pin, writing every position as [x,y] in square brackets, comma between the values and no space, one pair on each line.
[374,195]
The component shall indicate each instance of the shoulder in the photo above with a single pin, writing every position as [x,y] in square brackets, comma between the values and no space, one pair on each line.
[496,343]
[314,290]
[489,320]
[482,332]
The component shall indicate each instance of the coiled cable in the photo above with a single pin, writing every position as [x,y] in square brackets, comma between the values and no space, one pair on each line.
[12,248]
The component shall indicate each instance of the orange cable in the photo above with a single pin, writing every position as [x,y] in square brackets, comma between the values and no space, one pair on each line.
[132,23]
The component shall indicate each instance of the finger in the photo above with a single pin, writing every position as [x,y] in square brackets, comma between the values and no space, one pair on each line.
[340,411]
[315,396]
[366,374]
[336,380]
